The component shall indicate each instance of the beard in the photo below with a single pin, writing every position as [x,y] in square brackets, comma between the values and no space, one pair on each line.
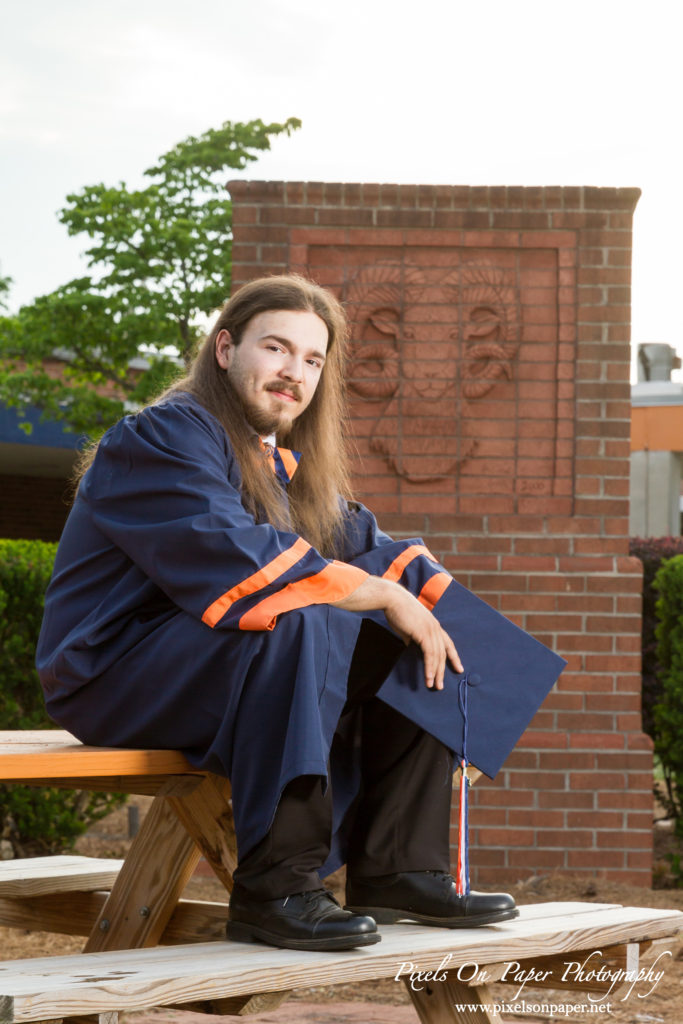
[259,419]
[263,420]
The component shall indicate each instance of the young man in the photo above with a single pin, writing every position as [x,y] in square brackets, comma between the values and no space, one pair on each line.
[218,594]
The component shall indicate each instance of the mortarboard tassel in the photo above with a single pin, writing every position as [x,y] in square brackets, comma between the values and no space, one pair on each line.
[462,882]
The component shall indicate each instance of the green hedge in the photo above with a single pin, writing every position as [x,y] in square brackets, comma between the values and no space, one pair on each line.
[668,711]
[45,820]
[652,551]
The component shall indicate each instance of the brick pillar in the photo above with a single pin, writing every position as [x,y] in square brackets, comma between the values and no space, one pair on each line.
[489,383]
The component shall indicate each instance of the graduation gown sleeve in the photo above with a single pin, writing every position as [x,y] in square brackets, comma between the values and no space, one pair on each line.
[164,490]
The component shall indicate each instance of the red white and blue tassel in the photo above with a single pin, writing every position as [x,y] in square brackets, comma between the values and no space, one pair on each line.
[462,880]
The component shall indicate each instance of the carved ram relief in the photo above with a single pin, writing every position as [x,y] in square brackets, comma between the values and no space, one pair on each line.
[423,349]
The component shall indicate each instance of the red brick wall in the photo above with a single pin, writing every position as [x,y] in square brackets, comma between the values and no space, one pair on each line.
[490,393]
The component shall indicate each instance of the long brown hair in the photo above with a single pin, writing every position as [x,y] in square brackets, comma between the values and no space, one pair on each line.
[318,433]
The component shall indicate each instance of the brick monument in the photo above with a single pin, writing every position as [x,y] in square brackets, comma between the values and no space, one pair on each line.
[489,386]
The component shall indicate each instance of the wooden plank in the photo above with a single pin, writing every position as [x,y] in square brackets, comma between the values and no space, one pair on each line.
[140,978]
[54,753]
[35,876]
[451,1002]
[64,913]
[76,913]
[240,1006]
[569,909]
[206,813]
[160,862]
[140,785]
[196,921]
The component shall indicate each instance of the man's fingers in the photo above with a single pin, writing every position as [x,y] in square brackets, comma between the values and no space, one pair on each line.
[430,654]
[445,651]
[435,655]
[452,653]
[440,668]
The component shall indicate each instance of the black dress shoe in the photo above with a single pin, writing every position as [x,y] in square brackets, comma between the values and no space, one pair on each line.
[306,920]
[428,897]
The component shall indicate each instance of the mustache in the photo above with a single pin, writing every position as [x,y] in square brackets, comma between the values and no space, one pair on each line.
[287,389]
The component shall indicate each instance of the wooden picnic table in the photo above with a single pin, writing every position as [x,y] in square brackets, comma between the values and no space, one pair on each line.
[190,815]
[127,909]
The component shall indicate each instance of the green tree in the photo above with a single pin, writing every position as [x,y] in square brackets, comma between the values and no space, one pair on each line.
[5,283]
[160,258]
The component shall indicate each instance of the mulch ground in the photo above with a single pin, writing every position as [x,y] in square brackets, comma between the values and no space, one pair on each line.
[387,1002]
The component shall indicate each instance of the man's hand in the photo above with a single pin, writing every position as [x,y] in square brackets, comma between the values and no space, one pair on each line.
[411,620]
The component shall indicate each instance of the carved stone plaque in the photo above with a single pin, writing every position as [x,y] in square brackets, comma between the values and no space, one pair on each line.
[454,372]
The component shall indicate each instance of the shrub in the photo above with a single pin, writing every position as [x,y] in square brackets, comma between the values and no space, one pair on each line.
[45,820]
[652,551]
[668,711]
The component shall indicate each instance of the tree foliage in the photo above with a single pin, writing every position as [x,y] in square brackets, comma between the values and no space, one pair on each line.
[5,283]
[159,257]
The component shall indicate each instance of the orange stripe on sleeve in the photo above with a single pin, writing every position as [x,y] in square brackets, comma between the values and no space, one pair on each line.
[270,572]
[433,589]
[336,581]
[396,568]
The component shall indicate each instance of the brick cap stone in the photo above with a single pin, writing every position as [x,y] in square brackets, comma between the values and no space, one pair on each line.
[526,197]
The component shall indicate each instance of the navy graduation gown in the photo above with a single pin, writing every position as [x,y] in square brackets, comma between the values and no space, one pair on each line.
[173,619]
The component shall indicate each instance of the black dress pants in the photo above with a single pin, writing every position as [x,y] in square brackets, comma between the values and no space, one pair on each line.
[400,820]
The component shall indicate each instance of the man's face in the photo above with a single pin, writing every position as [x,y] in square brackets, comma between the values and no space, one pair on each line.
[276,367]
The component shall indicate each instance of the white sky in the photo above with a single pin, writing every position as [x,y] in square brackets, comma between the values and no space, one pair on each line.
[532,92]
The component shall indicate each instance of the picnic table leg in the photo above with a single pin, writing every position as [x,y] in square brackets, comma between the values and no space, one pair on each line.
[160,862]
[452,1002]
[206,813]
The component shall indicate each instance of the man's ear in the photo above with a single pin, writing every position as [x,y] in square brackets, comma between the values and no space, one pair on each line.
[224,349]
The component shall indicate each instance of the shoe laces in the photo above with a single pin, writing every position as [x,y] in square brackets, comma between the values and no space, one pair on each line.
[313,896]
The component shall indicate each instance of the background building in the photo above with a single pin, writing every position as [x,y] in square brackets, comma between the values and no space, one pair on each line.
[656,444]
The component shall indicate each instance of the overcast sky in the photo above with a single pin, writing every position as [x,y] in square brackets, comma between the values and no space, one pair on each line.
[523,92]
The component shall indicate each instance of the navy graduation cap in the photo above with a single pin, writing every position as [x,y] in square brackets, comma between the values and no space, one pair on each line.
[507,676]
[482,713]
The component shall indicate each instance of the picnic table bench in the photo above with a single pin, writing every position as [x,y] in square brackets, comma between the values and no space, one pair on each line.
[147,946]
